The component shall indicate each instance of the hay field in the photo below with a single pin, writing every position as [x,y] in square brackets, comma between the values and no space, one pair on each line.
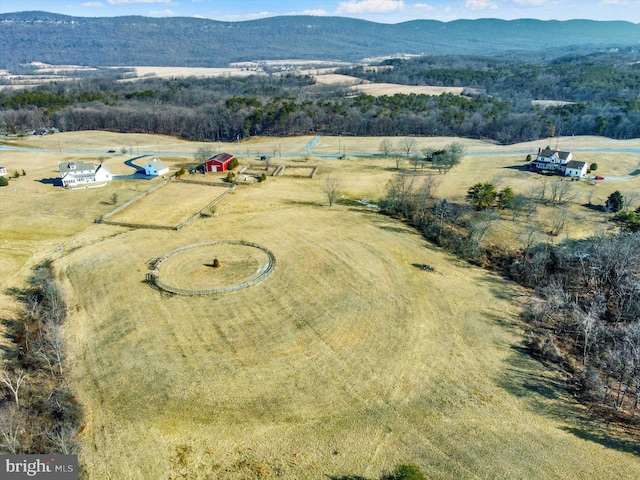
[378,89]
[345,361]
[98,144]
[169,205]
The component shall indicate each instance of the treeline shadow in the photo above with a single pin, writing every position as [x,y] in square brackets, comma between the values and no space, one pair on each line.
[551,396]
[606,438]
[595,208]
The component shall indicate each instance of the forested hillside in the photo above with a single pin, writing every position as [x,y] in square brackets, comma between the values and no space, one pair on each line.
[594,94]
[590,94]
[60,39]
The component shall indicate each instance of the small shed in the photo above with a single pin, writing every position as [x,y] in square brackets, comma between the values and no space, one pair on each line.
[155,167]
[218,163]
[3,171]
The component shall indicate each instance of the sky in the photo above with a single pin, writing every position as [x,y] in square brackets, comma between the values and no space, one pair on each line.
[381,11]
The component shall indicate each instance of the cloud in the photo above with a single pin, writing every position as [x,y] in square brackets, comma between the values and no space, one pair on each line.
[370,6]
[245,16]
[166,11]
[424,6]
[533,2]
[121,2]
[480,5]
[317,12]
[93,4]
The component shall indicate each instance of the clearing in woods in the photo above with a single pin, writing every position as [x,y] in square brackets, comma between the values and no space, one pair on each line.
[345,361]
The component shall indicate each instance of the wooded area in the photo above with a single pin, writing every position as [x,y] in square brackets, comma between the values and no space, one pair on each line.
[594,94]
[585,302]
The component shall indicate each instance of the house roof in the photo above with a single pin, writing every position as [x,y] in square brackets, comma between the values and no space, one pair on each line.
[576,165]
[220,158]
[76,167]
[77,175]
[157,164]
[545,152]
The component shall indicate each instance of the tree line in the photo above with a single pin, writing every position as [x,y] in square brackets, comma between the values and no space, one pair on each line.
[602,92]
[232,109]
[584,310]
[39,413]
[602,87]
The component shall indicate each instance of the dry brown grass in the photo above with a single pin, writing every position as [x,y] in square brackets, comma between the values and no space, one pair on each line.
[346,361]
[169,205]
[377,89]
[195,269]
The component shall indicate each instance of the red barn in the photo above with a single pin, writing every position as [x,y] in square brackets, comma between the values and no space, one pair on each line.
[218,163]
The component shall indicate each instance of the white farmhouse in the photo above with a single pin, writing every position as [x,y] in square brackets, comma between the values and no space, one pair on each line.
[84,174]
[551,160]
[3,171]
[155,167]
[558,161]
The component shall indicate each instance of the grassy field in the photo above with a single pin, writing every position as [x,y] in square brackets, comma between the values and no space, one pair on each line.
[346,360]
[194,268]
[169,205]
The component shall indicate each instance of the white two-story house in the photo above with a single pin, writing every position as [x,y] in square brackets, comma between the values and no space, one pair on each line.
[84,174]
[558,161]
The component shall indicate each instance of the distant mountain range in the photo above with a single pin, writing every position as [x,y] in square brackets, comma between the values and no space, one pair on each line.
[182,41]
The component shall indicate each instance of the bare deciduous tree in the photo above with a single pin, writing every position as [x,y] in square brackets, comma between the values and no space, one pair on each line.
[528,238]
[630,199]
[561,191]
[423,196]
[203,154]
[13,381]
[64,439]
[479,228]
[332,187]
[407,144]
[442,210]
[12,425]
[399,194]
[559,221]
[386,147]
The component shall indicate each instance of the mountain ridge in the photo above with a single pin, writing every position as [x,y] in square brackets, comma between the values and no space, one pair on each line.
[186,41]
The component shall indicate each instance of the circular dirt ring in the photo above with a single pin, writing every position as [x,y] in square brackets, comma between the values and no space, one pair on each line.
[190,270]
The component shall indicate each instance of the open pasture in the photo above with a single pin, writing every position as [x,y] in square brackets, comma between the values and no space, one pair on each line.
[347,360]
[169,205]
[299,171]
[358,85]
[212,268]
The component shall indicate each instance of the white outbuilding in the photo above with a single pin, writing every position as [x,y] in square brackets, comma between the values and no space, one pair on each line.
[155,167]
[575,169]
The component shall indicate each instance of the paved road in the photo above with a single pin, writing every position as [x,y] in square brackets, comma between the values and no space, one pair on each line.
[308,148]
